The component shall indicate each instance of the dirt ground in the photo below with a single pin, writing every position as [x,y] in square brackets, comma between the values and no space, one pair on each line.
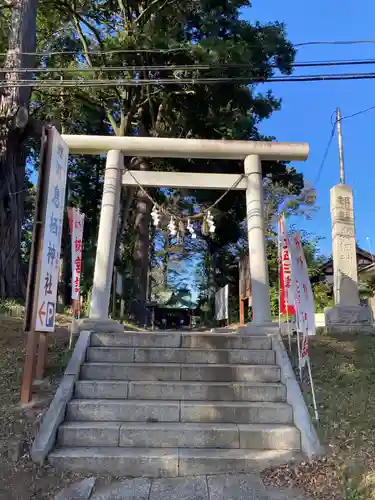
[20,479]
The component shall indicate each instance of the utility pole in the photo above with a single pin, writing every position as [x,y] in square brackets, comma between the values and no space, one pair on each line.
[341,148]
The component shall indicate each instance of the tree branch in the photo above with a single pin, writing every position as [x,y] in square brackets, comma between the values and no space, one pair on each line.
[155,5]
[83,39]
[95,32]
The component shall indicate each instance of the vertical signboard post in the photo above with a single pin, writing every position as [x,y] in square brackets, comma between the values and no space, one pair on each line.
[44,263]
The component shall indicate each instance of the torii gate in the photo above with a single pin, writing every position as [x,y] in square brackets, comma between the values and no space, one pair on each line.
[150,147]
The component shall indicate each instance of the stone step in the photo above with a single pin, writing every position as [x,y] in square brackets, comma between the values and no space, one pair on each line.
[238,412]
[186,372]
[180,390]
[166,462]
[174,339]
[178,411]
[180,355]
[180,435]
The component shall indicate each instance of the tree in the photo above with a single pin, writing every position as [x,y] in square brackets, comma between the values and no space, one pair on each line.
[153,46]
[18,27]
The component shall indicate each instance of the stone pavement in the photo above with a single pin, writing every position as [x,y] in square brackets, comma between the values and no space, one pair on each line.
[219,487]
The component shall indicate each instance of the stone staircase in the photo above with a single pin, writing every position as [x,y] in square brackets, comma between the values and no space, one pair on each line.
[177,404]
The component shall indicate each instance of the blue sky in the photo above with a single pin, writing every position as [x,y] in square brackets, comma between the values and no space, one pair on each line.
[307,107]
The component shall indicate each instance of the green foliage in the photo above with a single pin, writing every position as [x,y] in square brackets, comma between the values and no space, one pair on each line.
[274,297]
[10,307]
[323,296]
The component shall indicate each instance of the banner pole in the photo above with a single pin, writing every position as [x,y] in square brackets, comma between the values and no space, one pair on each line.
[298,347]
[289,332]
[312,390]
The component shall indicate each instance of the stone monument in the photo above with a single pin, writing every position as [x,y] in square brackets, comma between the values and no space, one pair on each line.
[348,314]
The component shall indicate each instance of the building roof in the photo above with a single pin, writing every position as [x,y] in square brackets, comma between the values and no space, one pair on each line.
[176,300]
[361,255]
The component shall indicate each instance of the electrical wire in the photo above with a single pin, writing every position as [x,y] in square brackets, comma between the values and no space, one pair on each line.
[172,49]
[325,155]
[182,67]
[335,42]
[181,81]
[371,108]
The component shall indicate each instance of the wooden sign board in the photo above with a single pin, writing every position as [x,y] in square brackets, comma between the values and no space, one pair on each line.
[40,306]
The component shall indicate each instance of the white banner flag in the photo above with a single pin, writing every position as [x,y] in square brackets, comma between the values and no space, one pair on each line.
[286,296]
[221,303]
[304,298]
[76,220]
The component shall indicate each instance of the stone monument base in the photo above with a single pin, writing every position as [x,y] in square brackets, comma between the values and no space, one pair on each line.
[344,319]
[259,329]
[96,325]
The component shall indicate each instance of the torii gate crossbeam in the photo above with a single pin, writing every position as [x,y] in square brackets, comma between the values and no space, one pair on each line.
[252,152]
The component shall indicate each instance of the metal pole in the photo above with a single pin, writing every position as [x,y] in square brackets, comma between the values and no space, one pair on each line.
[341,149]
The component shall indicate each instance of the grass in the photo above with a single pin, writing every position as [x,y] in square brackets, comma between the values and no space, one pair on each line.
[20,479]
[343,369]
[344,376]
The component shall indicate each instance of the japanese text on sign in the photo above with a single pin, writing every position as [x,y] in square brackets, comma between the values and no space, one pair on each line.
[76,221]
[56,166]
[286,291]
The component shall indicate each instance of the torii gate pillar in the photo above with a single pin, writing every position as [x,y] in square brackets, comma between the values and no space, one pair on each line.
[105,250]
[256,241]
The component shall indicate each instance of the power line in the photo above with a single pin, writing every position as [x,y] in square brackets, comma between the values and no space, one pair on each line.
[171,49]
[325,155]
[335,42]
[357,113]
[49,83]
[182,67]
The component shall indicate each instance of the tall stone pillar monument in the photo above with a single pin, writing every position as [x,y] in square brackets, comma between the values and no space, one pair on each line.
[347,314]
[345,283]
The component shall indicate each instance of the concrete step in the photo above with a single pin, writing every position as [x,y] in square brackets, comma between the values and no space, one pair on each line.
[136,339]
[238,412]
[181,435]
[166,462]
[180,355]
[178,411]
[225,341]
[213,461]
[123,410]
[177,339]
[185,391]
[175,372]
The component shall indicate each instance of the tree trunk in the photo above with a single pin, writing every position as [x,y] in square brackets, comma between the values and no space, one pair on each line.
[22,38]
[165,258]
[141,252]
[12,183]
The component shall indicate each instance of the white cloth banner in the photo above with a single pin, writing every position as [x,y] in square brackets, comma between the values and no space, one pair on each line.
[304,298]
[76,220]
[286,296]
[221,303]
